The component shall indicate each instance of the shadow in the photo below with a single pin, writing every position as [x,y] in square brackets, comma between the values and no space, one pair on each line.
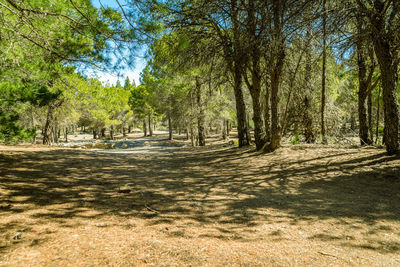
[227,189]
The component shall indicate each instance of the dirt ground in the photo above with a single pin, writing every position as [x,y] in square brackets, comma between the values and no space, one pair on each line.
[215,206]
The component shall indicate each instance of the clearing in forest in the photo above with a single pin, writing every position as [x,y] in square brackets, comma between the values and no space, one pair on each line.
[212,206]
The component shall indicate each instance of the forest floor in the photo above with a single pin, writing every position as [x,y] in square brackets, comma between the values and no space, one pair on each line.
[172,205]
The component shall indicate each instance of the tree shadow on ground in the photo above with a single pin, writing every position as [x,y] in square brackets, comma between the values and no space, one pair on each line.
[227,189]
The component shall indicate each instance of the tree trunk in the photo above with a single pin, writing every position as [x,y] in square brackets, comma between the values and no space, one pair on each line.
[170,137]
[201,115]
[237,65]
[267,115]
[259,132]
[307,116]
[323,86]
[49,121]
[387,58]
[377,114]
[363,83]
[150,128]
[66,134]
[112,132]
[224,129]
[370,126]
[277,59]
[144,127]
[94,134]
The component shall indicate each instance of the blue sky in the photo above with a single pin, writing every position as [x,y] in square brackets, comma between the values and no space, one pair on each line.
[132,72]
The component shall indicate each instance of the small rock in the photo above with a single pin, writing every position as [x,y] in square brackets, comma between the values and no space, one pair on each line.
[124,146]
[18,235]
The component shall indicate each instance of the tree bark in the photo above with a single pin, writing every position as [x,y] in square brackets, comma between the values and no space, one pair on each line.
[323,85]
[363,82]
[307,101]
[201,115]
[150,128]
[377,115]
[388,59]
[236,68]
[144,127]
[224,129]
[170,136]
[277,59]
[267,112]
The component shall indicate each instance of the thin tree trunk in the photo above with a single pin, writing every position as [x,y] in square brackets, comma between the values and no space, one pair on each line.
[370,126]
[307,116]
[144,127]
[66,134]
[377,115]
[224,129]
[267,113]
[170,137]
[323,89]
[150,128]
[112,132]
[201,115]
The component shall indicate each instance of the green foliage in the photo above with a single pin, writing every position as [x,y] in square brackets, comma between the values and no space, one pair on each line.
[295,139]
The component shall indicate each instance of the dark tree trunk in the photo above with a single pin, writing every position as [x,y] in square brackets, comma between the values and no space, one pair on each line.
[370,126]
[388,67]
[307,117]
[267,112]
[363,82]
[201,115]
[144,127]
[112,132]
[253,66]
[377,114]
[277,60]
[150,128]
[94,134]
[170,137]
[49,121]
[323,85]
[224,129]
[66,134]
[237,66]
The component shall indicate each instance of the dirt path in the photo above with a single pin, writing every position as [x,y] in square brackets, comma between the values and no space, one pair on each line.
[213,206]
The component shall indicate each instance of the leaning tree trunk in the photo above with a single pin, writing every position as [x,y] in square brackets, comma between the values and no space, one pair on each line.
[200,115]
